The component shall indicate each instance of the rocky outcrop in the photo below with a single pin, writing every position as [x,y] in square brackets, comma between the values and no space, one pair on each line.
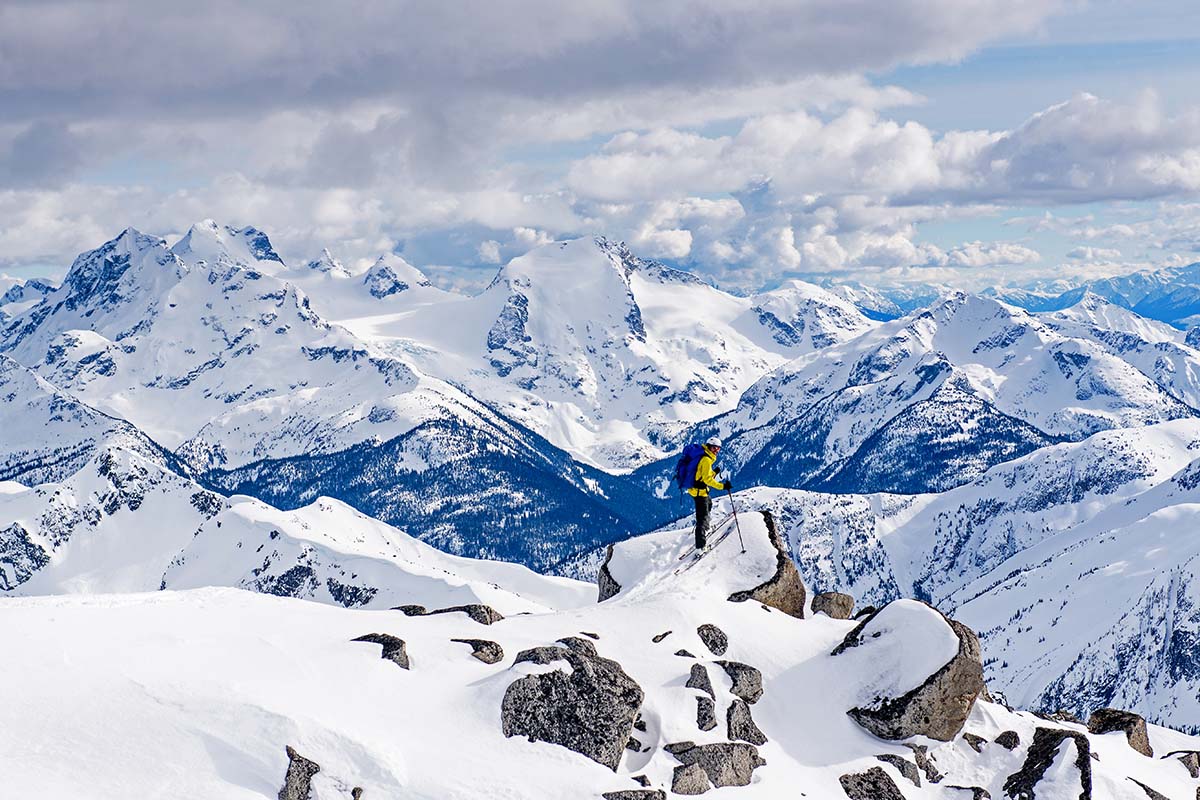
[747,680]
[298,780]
[1151,793]
[874,784]
[689,779]
[1009,740]
[1190,759]
[1022,785]
[784,590]
[1107,720]
[607,584]
[661,636]
[937,708]
[976,742]
[906,768]
[394,649]
[722,764]
[589,710]
[487,651]
[706,713]
[740,725]
[833,604]
[483,614]
[925,762]
[699,680]
[714,639]
[636,794]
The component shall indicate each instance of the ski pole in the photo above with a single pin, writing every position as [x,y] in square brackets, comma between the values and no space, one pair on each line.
[737,524]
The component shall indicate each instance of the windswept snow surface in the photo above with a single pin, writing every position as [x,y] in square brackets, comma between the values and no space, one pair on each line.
[195,694]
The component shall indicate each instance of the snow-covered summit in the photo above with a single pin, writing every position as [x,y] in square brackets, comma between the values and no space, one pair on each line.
[227,246]
[328,264]
[391,274]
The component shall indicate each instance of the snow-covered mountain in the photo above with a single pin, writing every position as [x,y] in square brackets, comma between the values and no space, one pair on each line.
[1168,294]
[123,523]
[666,685]
[932,400]
[48,435]
[258,393]
[606,355]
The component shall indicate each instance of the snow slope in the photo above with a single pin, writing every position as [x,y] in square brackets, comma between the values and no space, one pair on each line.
[48,435]
[125,524]
[195,694]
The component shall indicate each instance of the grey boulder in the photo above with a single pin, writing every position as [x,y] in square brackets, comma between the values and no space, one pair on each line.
[589,710]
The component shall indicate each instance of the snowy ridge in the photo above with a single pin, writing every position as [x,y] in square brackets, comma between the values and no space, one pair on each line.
[198,692]
[49,435]
[1013,383]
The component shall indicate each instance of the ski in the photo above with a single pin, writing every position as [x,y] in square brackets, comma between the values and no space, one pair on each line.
[724,521]
[697,556]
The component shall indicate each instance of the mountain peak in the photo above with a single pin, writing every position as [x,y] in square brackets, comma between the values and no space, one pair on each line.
[327,264]
[391,274]
[222,244]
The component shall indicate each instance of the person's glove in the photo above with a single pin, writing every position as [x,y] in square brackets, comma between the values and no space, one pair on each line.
[717,470]
[728,486]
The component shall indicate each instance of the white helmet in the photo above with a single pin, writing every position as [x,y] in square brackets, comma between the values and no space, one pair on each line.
[713,441]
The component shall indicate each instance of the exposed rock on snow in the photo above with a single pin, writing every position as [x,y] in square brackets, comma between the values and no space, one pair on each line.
[907,768]
[608,586]
[659,637]
[483,614]
[706,713]
[486,651]
[1009,740]
[1189,759]
[740,724]
[1107,720]
[925,762]
[834,604]
[721,764]
[784,589]
[636,794]
[1043,751]
[874,784]
[589,710]
[939,704]
[714,639]
[699,680]
[747,680]
[1152,794]
[684,653]
[298,780]
[394,649]
[976,742]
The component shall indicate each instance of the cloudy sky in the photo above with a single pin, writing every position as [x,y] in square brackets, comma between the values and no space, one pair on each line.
[972,142]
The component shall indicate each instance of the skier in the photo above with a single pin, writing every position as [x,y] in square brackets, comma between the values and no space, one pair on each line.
[706,478]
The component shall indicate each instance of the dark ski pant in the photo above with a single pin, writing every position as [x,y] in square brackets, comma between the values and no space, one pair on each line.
[703,509]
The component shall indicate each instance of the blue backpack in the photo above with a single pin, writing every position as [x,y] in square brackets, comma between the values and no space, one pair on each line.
[685,468]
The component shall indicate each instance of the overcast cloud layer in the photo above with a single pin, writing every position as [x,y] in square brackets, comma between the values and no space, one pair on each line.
[746,139]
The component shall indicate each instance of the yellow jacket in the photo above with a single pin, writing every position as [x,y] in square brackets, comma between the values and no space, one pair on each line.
[706,475]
